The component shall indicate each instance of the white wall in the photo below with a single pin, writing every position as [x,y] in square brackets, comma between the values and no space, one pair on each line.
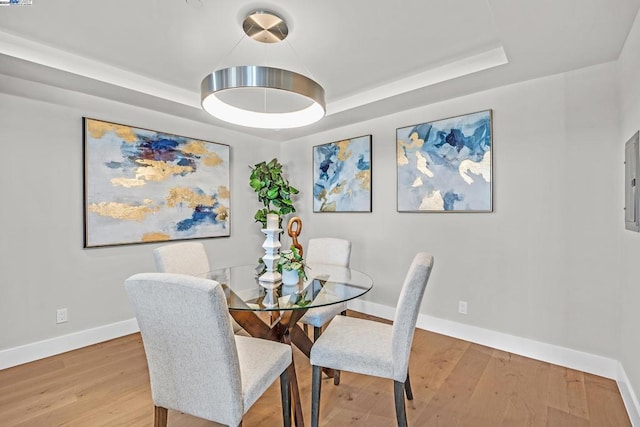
[42,263]
[545,264]
[629,70]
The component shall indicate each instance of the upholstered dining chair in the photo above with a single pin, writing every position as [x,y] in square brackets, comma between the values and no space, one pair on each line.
[326,250]
[372,348]
[185,258]
[333,251]
[196,364]
[182,258]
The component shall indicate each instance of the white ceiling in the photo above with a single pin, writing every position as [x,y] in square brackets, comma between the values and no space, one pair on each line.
[373,57]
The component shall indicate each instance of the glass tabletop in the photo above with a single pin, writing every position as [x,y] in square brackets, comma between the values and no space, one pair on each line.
[325,285]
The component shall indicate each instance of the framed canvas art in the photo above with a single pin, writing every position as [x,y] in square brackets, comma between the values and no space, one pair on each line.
[342,176]
[446,165]
[143,186]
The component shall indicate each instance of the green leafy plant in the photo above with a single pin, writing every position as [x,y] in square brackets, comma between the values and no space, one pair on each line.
[304,302]
[292,260]
[273,190]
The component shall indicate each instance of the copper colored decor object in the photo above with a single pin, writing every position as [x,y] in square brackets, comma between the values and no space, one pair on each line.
[295,232]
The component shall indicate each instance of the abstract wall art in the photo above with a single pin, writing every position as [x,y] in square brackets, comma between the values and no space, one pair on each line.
[147,186]
[446,165]
[342,176]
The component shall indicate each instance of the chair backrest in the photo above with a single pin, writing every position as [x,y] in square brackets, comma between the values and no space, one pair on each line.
[329,250]
[189,343]
[182,258]
[406,314]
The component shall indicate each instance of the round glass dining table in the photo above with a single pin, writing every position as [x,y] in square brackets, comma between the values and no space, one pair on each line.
[324,285]
[247,298]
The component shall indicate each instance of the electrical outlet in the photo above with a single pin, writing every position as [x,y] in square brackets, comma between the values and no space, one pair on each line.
[462,307]
[61,315]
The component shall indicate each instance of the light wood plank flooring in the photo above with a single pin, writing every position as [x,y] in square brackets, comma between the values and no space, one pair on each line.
[455,383]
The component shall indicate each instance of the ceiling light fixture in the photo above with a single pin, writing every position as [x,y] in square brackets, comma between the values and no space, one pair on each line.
[231,94]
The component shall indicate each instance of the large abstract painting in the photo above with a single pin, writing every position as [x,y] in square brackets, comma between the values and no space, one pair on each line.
[342,176]
[445,166]
[146,186]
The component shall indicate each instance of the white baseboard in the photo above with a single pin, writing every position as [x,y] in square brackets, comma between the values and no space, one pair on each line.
[41,349]
[628,396]
[593,364]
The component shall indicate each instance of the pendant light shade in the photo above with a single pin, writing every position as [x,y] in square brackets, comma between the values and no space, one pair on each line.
[279,99]
[267,78]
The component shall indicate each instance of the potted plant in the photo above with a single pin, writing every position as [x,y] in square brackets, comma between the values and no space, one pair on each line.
[273,191]
[292,266]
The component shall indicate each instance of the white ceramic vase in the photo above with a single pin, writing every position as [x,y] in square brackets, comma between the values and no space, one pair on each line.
[290,277]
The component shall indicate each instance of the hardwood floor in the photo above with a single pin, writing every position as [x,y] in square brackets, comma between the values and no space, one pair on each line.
[455,383]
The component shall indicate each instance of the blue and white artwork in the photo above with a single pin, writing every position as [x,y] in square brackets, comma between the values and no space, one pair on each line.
[445,166]
[342,176]
[147,186]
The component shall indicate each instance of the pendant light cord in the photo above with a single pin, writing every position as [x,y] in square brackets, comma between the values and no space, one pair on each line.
[229,52]
[309,73]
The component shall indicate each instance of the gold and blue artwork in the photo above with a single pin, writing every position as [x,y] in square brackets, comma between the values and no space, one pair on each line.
[342,176]
[445,165]
[146,186]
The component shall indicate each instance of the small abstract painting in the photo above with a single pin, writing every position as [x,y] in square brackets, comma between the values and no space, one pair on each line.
[445,166]
[342,176]
[146,186]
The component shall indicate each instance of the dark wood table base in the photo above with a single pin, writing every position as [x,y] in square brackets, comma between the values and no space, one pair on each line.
[284,329]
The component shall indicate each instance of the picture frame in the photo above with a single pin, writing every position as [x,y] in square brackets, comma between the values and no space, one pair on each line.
[446,165]
[342,175]
[143,186]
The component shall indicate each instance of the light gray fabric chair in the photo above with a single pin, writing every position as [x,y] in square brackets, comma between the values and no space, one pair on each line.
[326,250]
[186,258]
[373,348]
[182,258]
[196,364]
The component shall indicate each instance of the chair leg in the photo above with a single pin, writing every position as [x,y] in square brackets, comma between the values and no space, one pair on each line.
[159,416]
[407,387]
[336,376]
[316,334]
[398,392]
[285,391]
[316,383]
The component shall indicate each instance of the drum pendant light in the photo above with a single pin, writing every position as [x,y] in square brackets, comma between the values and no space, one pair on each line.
[307,96]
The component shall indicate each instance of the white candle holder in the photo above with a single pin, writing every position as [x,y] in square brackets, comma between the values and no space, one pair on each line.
[271,278]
